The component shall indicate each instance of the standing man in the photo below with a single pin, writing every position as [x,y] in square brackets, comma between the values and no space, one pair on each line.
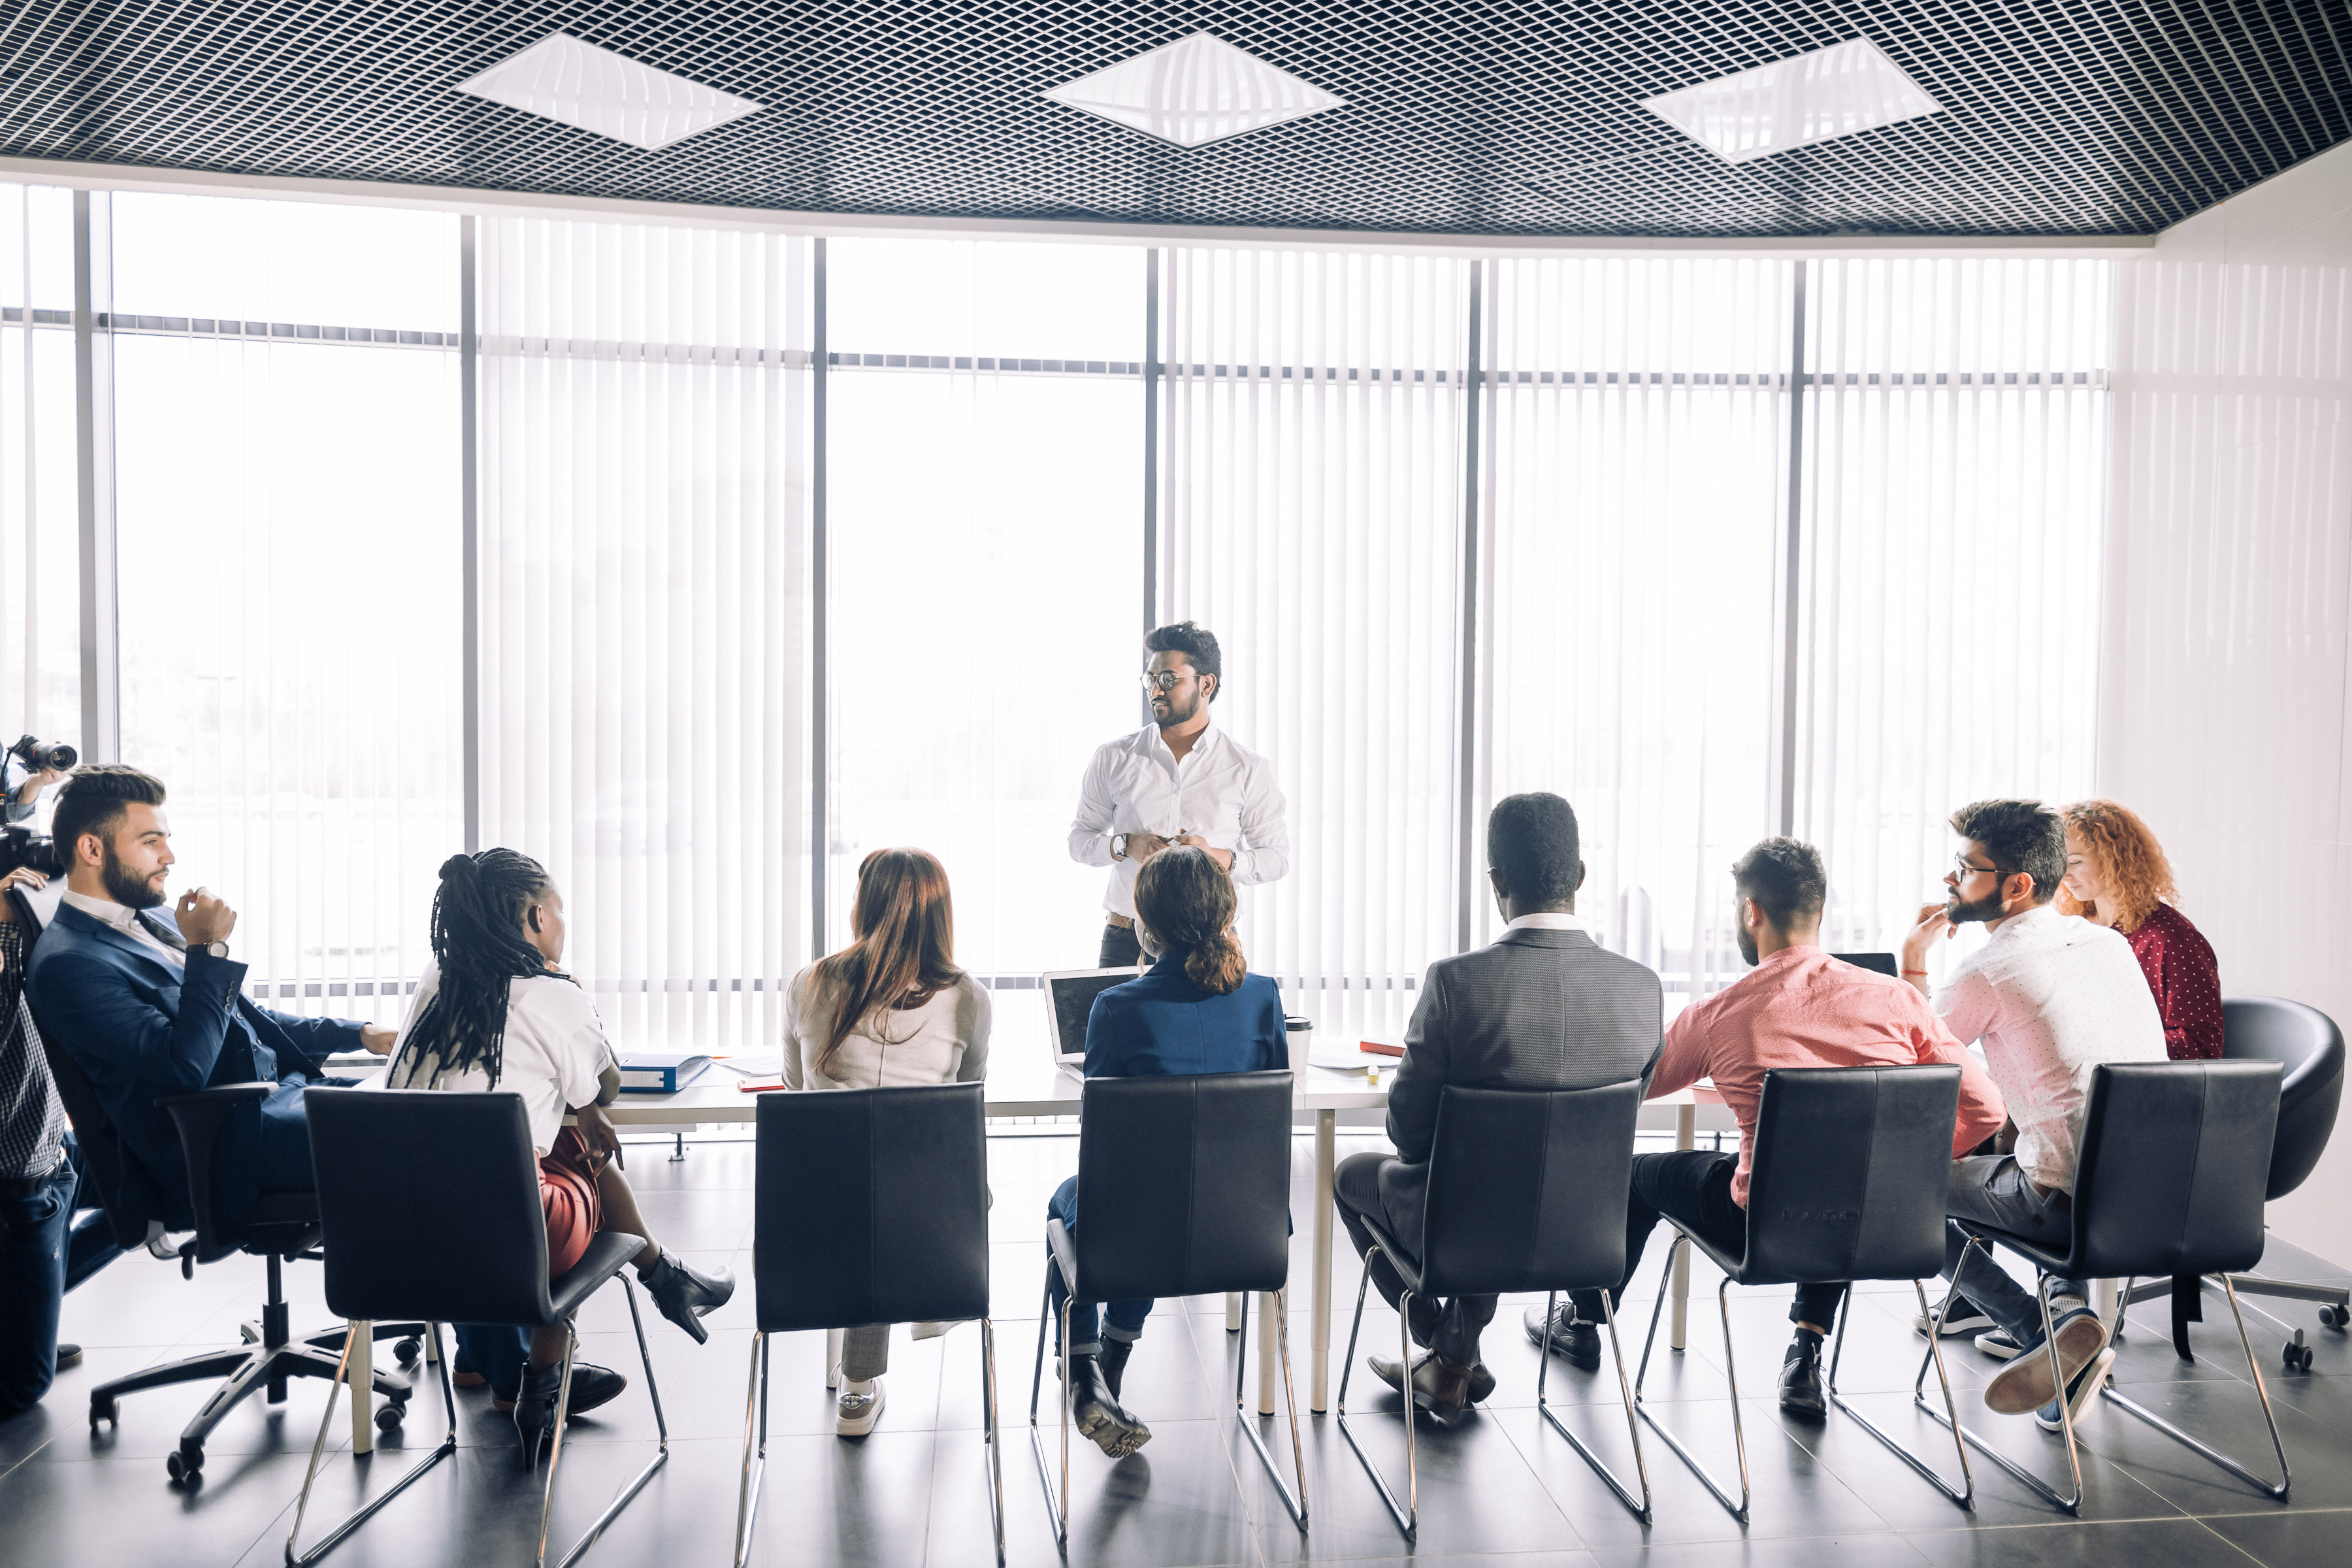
[1176,781]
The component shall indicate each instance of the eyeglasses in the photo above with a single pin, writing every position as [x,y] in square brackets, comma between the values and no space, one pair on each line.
[1960,865]
[1162,680]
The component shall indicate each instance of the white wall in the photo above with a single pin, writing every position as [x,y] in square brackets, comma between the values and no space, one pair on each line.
[2225,700]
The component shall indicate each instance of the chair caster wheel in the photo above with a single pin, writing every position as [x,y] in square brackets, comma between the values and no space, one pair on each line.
[406,1351]
[187,1463]
[2335,1317]
[2296,1354]
[388,1419]
[101,1410]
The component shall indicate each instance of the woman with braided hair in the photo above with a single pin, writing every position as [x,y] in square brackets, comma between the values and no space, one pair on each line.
[494,1011]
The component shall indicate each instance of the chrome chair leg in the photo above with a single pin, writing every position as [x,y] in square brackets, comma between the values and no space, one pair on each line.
[1057,1509]
[448,1446]
[1731,1376]
[1297,1503]
[2278,1492]
[993,1438]
[755,1423]
[1407,1520]
[1965,1494]
[2073,1505]
[562,1409]
[1641,1511]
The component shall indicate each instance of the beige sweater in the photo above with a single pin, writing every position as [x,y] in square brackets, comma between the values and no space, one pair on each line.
[945,1040]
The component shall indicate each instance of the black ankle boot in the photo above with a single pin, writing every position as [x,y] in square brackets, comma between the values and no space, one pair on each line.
[684,1293]
[1114,1361]
[1801,1376]
[534,1410]
[1095,1410]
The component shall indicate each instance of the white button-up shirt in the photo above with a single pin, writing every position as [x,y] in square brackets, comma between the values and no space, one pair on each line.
[2052,997]
[1222,791]
[124,919]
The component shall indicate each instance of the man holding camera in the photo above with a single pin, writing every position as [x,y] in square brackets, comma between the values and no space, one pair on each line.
[148,1007]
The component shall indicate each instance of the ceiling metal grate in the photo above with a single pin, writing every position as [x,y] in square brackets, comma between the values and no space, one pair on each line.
[1516,117]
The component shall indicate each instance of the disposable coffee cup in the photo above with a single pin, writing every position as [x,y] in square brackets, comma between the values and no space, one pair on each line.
[1300,1033]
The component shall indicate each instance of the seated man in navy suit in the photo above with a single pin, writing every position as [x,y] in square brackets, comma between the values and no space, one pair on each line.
[147,1010]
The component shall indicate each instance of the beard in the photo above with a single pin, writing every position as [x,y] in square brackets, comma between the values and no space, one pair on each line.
[1961,912]
[126,887]
[1172,715]
[1747,954]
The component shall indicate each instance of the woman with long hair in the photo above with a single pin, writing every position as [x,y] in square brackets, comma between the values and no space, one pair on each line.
[496,1011]
[889,1010]
[1197,1010]
[2117,875]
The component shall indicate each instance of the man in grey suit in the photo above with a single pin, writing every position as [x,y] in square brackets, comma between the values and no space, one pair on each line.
[1545,1007]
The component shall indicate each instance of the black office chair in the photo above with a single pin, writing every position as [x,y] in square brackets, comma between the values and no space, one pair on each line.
[1851,1169]
[1183,1190]
[2308,1044]
[1527,1192]
[2168,1180]
[872,1207]
[431,1208]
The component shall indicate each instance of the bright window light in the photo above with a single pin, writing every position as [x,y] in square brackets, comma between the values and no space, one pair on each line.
[598,91]
[1194,92]
[1813,97]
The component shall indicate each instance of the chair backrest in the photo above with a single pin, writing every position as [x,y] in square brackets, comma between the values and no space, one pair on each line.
[2308,1044]
[1851,1168]
[1184,1185]
[872,1207]
[1526,1189]
[2174,1162]
[429,1206]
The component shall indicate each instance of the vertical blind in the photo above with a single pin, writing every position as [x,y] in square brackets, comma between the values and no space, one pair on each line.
[1637,450]
[644,584]
[1311,503]
[40,633]
[1954,481]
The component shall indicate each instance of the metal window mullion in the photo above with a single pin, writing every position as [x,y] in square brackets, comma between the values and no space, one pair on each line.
[101,704]
[470,608]
[1783,740]
[1466,721]
[820,586]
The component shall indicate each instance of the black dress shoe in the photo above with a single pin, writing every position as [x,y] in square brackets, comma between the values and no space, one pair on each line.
[591,1386]
[1095,1411]
[684,1293]
[1113,1358]
[1439,1386]
[534,1410]
[67,1355]
[1481,1381]
[1571,1337]
[1801,1376]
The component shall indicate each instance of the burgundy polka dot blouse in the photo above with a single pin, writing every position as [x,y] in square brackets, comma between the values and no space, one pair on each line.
[2179,966]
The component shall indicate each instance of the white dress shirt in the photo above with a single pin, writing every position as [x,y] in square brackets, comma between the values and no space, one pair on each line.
[554,1052]
[124,919]
[2052,997]
[1550,920]
[1222,791]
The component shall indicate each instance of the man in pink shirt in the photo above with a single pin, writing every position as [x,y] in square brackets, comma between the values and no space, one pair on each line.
[1800,1008]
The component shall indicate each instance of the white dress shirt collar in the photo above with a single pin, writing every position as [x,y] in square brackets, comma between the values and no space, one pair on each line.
[1551,920]
[124,919]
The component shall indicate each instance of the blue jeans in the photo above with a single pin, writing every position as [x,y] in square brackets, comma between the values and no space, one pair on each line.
[33,1227]
[1126,1318]
[1993,1190]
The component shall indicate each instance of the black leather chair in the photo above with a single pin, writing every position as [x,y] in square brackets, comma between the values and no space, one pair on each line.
[872,1208]
[2168,1180]
[1851,1169]
[276,1228]
[1183,1190]
[430,1205]
[1527,1192]
[2307,1043]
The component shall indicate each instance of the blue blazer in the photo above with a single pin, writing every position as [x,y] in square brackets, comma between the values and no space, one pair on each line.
[139,1031]
[1162,1024]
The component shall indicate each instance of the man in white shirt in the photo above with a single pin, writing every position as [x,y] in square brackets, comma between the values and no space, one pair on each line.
[2050,998]
[1176,781]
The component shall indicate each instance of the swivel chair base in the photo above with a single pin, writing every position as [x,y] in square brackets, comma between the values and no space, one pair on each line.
[269,1358]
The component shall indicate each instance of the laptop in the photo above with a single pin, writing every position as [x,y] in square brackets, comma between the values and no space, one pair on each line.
[1070,999]
[1882,962]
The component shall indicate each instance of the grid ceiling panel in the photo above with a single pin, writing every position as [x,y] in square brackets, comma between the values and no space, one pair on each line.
[1505,118]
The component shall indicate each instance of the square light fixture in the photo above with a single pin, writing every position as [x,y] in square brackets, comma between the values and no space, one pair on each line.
[1808,98]
[610,94]
[1194,92]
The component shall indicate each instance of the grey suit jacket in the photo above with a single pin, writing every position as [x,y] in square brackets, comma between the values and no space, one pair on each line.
[1538,1009]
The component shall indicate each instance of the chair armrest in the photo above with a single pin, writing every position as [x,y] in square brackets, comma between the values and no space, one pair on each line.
[200,1118]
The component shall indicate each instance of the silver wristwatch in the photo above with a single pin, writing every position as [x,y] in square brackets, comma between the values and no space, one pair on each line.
[1118,845]
[217,948]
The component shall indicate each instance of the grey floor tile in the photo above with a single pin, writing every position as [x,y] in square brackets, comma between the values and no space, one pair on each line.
[1819,1552]
[2175,1542]
[102,1512]
[2296,1538]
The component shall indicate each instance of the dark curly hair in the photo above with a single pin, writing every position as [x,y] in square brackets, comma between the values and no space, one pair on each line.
[1785,880]
[478,937]
[2020,836]
[1198,645]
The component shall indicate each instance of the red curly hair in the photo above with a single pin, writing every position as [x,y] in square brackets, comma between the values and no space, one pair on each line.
[2127,860]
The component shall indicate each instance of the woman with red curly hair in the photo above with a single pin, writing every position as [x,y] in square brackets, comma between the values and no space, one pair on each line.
[2117,875]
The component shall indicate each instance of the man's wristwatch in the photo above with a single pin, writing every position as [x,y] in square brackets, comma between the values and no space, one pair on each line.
[1118,845]
[217,948]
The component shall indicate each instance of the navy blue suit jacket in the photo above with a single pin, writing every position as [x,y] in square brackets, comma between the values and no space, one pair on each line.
[1162,1024]
[139,1031]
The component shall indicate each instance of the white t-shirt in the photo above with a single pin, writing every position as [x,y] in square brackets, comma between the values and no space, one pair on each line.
[553,1053]
[2052,997]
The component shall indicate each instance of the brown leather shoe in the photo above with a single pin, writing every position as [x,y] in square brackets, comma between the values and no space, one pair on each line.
[1439,1386]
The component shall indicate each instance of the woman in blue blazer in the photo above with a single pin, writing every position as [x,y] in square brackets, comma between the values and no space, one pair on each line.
[1197,1010]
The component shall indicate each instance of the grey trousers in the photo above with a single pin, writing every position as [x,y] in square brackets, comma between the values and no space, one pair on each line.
[1993,1190]
[866,1353]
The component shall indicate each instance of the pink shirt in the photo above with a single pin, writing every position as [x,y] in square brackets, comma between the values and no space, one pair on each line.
[1801,1008]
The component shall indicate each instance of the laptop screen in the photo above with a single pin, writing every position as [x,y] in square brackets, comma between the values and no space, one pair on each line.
[1882,962]
[1070,998]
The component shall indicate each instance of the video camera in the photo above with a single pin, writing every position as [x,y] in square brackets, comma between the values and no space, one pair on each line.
[20,843]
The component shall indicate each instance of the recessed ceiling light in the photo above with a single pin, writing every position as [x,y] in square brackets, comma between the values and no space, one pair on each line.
[1194,92]
[1835,91]
[596,89]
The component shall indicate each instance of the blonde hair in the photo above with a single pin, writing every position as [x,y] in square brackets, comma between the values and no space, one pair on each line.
[2133,876]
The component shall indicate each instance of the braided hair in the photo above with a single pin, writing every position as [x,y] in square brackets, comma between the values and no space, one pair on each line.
[478,942]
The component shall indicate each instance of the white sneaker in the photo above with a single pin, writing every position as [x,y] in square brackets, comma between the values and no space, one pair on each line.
[858,1407]
[833,1377]
[1964,1317]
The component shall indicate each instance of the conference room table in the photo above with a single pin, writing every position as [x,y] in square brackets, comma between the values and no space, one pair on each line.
[1023,1084]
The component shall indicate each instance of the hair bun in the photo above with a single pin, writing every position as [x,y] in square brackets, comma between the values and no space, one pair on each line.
[457,866]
